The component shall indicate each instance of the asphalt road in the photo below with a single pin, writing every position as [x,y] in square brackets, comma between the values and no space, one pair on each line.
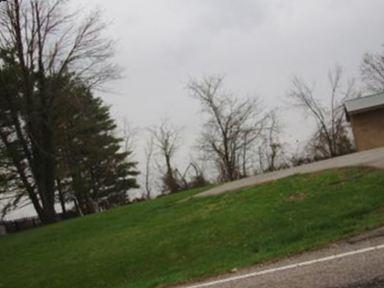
[373,158]
[376,283]
[354,263]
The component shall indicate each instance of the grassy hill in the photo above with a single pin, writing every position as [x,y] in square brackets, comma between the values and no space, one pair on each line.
[177,238]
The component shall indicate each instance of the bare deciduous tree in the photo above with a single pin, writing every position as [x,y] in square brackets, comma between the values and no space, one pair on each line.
[148,153]
[331,137]
[271,154]
[372,70]
[232,127]
[129,136]
[166,138]
[197,179]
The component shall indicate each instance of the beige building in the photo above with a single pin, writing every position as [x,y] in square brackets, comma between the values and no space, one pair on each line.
[366,115]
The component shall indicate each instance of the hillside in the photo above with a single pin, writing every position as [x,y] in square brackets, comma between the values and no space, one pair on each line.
[177,238]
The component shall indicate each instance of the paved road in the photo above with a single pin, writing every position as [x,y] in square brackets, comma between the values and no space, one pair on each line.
[354,263]
[373,158]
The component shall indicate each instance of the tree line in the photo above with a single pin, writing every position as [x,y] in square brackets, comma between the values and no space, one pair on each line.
[57,139]
[60,145]
[241,138]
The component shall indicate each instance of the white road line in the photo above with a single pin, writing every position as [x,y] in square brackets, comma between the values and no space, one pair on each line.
[292,266]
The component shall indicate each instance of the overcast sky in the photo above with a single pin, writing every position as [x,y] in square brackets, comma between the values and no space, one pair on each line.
[257,44]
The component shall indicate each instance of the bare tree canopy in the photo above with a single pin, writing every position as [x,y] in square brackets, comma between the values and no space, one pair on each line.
[232,127]
[372,70]
[271,150]
[331,137]
[51,41]
[166,138]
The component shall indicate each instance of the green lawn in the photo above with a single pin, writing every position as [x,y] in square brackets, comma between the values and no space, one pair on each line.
[178,238]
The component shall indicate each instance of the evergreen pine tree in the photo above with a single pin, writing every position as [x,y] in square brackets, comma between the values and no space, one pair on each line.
[90,158]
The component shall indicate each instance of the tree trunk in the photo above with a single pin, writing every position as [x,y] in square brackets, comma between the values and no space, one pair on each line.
[61,197]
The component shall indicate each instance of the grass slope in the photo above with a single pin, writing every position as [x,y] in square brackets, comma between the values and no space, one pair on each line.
[177,238]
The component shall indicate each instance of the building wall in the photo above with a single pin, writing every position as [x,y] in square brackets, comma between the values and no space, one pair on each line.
[368,129]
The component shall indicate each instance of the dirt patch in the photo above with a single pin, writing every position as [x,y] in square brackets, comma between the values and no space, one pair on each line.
[341,181]
[381,209]
[297,197]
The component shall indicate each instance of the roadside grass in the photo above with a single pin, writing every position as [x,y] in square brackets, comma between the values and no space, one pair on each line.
[178,238]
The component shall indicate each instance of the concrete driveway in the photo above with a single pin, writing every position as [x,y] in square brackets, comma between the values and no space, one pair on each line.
[371,158]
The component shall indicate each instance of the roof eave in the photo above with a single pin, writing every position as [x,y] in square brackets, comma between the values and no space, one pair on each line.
[363,110]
